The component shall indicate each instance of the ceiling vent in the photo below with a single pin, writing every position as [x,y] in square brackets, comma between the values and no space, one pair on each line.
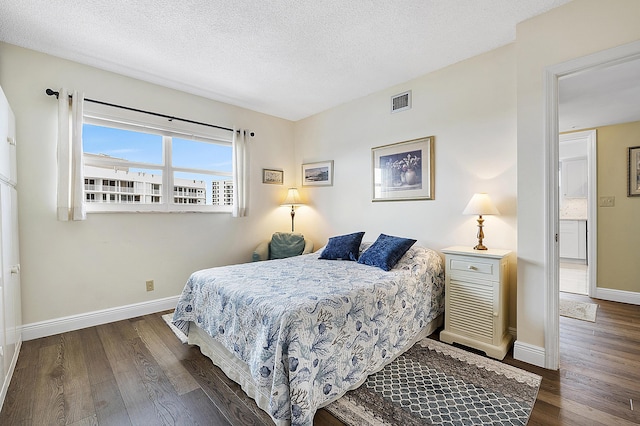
[401,102]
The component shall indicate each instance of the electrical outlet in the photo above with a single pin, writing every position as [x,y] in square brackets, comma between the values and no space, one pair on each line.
[607,201]
[150,285]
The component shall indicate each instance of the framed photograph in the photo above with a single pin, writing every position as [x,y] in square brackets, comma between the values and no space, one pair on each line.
[271,176]
[633,172]
[317,174]
[403,171]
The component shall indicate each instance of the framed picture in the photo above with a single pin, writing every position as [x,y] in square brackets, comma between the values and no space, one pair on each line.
[403,171]
[633,172]
[317,174]
[274,177]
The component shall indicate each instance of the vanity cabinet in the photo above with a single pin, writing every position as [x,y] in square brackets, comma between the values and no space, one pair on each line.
[573,239]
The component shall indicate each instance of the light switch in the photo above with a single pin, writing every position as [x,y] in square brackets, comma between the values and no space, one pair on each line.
[607,201]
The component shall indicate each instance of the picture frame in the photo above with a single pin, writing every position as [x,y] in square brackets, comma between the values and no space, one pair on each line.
[273,176]
[403,171]
[317,174]
[633,172]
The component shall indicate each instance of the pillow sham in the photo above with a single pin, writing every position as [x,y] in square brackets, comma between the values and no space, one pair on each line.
[386,251]
[343,247]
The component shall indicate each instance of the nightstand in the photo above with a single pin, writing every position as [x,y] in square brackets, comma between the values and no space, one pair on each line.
[477,299]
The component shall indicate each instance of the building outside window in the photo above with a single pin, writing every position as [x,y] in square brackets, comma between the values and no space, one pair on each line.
[222,193]
[127,164]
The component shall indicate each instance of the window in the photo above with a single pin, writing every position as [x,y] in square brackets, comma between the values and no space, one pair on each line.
[134,167]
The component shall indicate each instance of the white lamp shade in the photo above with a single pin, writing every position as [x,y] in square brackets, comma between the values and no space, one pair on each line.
[480,204]
[292,198]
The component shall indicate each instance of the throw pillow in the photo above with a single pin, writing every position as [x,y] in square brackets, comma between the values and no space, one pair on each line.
[285,244]
[386,251]
[343,247]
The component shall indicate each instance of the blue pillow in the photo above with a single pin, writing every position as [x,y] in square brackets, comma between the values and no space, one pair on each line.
[343,247]
[386,251]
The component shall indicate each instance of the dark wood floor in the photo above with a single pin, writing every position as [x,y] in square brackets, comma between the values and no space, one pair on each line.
[598,382]
[136,372]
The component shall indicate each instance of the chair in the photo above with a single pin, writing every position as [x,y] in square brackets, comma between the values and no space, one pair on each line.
[282,245]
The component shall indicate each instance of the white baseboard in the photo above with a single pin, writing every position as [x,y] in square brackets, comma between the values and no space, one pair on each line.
[90,319]
[529,353]
[618,295]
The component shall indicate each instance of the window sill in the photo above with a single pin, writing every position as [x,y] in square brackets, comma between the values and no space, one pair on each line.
[119,208]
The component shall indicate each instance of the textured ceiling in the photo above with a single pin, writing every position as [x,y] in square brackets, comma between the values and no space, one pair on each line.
[286,58]
[600,97]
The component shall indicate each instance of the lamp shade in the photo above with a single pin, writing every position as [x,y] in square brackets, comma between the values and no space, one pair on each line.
[480,204]
[292,198]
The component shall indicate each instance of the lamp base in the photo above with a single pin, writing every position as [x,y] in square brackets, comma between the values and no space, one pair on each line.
[293,214]
[480,246]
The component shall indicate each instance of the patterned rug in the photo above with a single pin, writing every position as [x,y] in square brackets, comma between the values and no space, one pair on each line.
[437,384]
[179,334]
[578,310]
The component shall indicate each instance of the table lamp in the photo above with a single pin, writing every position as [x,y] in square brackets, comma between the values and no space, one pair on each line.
[480,204]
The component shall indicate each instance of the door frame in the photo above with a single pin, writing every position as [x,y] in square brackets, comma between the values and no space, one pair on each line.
[552,75]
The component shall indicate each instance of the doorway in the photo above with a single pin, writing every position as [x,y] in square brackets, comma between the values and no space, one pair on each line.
[553,75]
[577,173]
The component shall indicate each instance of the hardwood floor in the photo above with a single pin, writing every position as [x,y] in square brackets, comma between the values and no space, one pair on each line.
[135,372]
[598,382]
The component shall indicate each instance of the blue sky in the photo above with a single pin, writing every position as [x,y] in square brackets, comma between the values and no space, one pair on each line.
[147,148]
[132,146]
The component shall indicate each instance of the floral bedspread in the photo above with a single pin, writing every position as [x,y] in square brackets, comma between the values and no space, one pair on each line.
[312,329]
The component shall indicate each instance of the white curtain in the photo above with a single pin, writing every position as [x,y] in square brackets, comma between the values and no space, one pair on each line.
[240,173]
[70,177]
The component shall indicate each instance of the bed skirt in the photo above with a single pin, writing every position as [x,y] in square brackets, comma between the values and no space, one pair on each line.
[238,371]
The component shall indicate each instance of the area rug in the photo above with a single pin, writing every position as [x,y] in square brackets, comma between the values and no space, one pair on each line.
[578,310]
[179,334]
[438,384]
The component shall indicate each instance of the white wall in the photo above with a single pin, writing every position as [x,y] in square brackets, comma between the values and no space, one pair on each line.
[470,109]
[571,31]
[70,268]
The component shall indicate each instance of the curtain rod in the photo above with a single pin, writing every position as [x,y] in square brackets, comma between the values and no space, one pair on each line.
[170,118]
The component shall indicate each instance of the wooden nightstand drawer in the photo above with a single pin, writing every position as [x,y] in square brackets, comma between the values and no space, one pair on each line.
[488,270]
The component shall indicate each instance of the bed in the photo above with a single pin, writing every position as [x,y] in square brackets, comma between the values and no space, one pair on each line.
[298,333]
